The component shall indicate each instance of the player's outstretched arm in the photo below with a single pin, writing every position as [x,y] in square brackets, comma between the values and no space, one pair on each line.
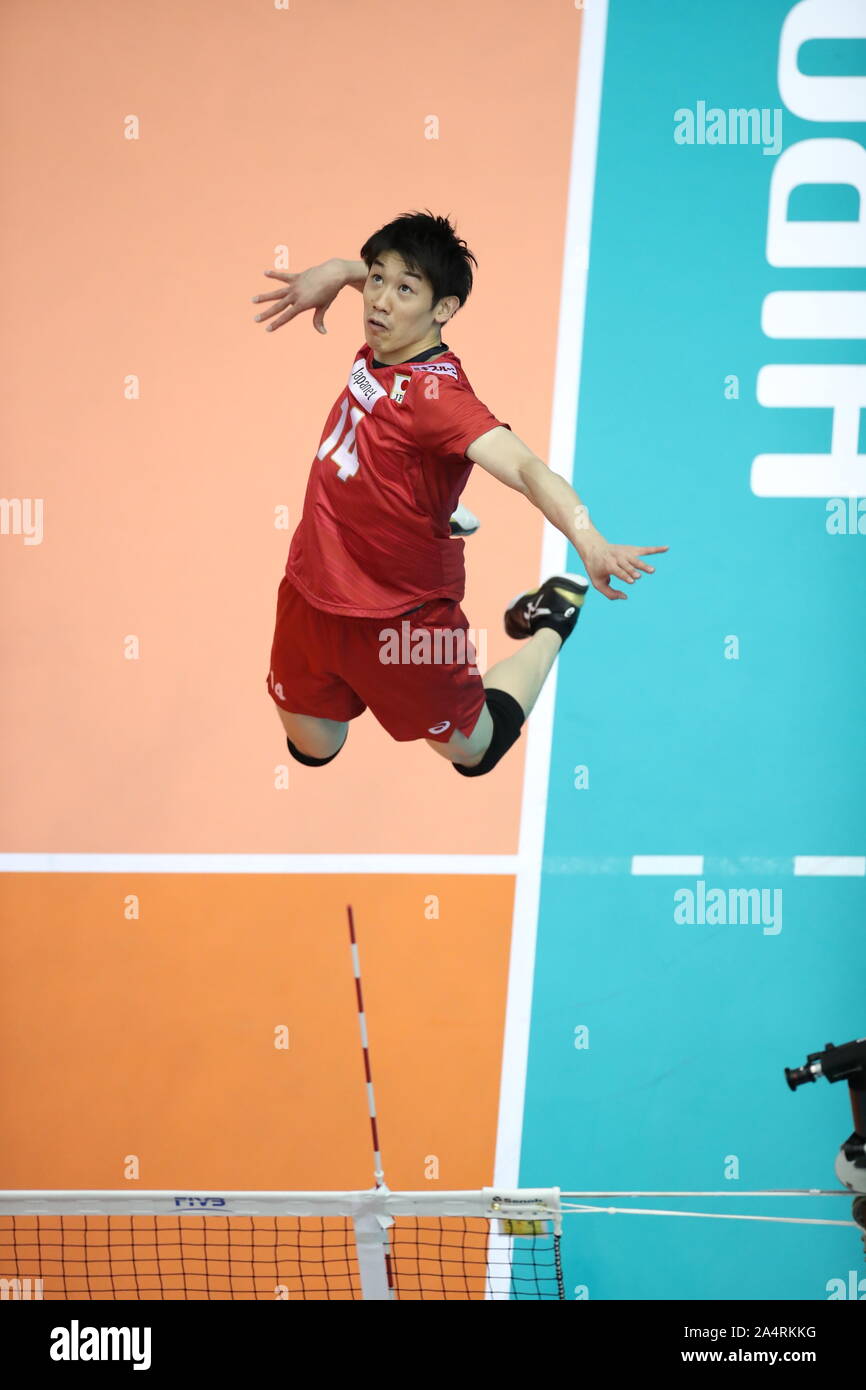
[503,454]
[602,559]
[315,288]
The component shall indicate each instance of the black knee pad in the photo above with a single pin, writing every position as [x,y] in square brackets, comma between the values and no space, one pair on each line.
[507,716]
[305,757]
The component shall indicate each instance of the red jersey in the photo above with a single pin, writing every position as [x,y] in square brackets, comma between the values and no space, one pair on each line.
[374,540]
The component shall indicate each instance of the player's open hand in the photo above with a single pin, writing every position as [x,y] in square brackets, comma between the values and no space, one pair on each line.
[315,288]
[603,562]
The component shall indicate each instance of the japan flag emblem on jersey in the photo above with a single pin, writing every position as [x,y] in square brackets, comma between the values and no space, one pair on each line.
[398,390]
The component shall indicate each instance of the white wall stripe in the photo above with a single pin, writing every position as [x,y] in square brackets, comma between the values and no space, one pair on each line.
[667,864]
[258,863]
[554,551]
[837,865]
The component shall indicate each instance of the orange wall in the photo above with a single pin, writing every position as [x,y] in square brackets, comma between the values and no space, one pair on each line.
[258,127]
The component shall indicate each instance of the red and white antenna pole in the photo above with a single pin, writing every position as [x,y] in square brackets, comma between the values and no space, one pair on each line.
[365,1044]
[381,1228]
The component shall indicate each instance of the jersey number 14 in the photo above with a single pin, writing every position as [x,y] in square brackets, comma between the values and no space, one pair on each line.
[342,447]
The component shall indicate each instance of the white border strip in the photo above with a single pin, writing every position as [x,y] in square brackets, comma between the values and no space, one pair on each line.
[533,1203]
[258,863]
[553,556]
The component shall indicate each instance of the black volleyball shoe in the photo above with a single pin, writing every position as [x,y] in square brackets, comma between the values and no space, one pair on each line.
[555,604]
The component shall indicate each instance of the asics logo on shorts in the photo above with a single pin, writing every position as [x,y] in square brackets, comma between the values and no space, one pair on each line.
[440,728]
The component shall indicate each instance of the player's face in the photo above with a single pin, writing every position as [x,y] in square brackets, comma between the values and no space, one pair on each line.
[400,301]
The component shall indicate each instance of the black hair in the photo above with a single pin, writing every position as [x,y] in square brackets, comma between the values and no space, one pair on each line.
[430,245]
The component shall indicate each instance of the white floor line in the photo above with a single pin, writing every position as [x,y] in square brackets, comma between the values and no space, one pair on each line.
[853,866]
[670,865]
[539,733]
[667,864]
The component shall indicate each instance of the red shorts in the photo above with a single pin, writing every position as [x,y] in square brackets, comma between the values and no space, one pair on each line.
[415,673]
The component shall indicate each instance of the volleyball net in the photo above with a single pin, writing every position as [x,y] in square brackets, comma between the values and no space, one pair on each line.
[374,1245]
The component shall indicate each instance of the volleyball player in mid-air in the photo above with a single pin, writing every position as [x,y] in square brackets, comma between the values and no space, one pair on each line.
[378,546]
